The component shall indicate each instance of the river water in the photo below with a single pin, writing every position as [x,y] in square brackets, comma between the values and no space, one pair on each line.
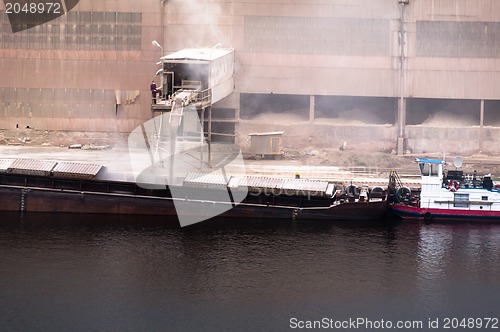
[101,273]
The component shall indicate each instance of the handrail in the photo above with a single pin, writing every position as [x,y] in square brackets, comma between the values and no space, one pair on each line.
[395,180]
[204,95]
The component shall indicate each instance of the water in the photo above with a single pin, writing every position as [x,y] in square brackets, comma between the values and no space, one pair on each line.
[87,273]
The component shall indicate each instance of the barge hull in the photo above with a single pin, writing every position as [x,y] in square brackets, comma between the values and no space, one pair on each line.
[41,200]
[29,199]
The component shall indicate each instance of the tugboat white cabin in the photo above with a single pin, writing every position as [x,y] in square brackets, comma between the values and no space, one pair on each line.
[448,195]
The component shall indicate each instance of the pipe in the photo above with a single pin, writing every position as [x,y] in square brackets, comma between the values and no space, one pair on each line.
[402,108]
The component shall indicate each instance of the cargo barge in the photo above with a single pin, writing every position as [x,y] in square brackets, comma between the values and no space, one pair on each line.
[49,186]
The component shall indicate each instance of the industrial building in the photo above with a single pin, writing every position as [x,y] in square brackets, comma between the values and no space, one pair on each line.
[404,75]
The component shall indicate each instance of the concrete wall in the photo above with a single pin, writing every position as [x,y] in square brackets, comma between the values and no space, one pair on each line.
[464,140]
[315,136]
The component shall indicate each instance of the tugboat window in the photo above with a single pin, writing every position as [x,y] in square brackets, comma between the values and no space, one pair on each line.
[461,200]
[427,169]
[434,170]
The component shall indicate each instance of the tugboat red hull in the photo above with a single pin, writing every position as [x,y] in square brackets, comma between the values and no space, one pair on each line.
[434,215]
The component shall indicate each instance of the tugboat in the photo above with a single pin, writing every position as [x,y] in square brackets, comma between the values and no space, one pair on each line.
[445,195]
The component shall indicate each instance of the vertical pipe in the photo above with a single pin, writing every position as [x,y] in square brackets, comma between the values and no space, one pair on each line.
[402,103]
[162,18]
[209,136]
[202,136]
[312,106]
[401,71]
[481,124]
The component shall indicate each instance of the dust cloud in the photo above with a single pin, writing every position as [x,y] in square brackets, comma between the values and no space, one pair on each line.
[207,31]
[356,116]
[282,118]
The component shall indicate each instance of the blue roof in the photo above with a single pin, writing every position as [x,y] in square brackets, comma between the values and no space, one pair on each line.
[430,161]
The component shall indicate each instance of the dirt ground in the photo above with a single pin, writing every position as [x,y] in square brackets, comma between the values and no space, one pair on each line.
[30,137]
[350,158]
[309,155]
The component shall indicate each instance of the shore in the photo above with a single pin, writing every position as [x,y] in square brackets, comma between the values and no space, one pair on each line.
[111,151]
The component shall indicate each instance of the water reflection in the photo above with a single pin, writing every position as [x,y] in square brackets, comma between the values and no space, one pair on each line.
[434,247]
[457,272]
[89,272]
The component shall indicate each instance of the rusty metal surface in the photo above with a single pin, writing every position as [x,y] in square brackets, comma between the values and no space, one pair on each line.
[31,167]
[76,170]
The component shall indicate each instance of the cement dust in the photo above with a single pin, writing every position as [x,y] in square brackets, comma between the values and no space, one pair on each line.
[450,120]
[351,117]
[279,118]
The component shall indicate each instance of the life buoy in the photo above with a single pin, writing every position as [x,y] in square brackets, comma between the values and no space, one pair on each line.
[453,185]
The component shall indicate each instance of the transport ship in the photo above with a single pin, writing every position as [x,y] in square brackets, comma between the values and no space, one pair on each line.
[446,195]
[28,185]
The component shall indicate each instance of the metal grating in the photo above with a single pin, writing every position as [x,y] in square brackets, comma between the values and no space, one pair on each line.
[31,167]
[275,186]
[5,164]
[305,185]
[206,180]
[76,170]
[278,186]
[260,182]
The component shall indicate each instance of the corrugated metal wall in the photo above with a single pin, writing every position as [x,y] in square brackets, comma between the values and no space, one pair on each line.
[447,39]
[78,31]
[68,69]
[317,35]
[66,74]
